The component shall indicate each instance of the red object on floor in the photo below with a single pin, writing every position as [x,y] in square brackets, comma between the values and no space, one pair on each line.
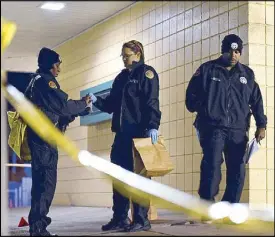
[23,222]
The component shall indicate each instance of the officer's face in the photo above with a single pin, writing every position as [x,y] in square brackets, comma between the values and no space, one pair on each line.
[56,69]
[234,57]
[128,57]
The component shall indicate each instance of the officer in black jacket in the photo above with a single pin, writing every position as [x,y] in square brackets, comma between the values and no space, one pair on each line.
[44,91]
[134,102]
[224,92]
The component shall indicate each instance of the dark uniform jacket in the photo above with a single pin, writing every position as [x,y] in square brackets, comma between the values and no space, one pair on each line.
[133,100]
[225,98]
[44,91]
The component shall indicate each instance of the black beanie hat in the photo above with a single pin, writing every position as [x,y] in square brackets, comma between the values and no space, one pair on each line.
[232,42]
[47,58]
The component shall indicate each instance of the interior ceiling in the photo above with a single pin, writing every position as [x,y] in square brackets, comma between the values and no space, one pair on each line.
[39,28]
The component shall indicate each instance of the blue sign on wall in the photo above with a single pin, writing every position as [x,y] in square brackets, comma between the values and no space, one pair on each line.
[96,116]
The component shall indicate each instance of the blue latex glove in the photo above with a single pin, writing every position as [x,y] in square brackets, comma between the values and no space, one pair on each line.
[153,133]
[93,97]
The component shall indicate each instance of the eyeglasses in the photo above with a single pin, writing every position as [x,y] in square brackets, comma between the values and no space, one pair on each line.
[126,55]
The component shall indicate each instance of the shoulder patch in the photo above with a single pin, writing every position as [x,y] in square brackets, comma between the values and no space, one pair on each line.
[149,74]
[197,73]
[52,85]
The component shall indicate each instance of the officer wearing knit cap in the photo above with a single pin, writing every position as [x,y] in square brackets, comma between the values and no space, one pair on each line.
[47,58]
[44,91]
[223,92]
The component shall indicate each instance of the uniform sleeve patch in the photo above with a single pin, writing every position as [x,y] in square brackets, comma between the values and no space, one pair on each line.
[197,73]
[149,74]
[52,85]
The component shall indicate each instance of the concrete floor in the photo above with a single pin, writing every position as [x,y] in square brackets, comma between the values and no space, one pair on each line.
[87,221]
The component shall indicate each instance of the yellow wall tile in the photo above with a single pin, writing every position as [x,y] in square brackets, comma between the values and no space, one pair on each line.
[166,79]
[205,48]
[152,18]
[173,147]
[270,137]
[180,182]
[173,76]
[243,13]
[256,13]
[173,180]
[188,18]
[173,112]
[196,33]
[214,8]
[173,60]
[196,162]
[233,18]
[205,29]
[223,22]
[165,45]
[257,179]
[173,94]
[259,72]
[180,146]
[196,181]
[214,45]
[223,6]
[197,14]
[270,179]
[165,130]
[197,51]
[180,6]
[188,146]
[180,57]
[180,75]
[165,12]
[173,25]
[180,39]
[188,124]
[257,54]
[158,15]
[180,164]
[166,28]
[165,113]
[257,197]
[152,34]
[257,160]
[270,98]
[256,33]
[270,197]
[188,34]
[159,31]
[188,54]
[159,48]
[166,62]
[188,72]
[188,164]
[270,55]
[173,42]
[188,182]
[180,22]
[270,158]
[205,10]
[269,15]
[173,129]
[269,35]
[180,110]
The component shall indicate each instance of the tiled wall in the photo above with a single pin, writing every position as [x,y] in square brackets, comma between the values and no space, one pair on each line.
[261,58]
[177,36]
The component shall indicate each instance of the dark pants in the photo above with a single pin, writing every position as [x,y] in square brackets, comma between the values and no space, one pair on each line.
[122,155]
[215,141]
[44,178]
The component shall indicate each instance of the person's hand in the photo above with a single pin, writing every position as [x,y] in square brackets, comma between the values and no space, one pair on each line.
[87,98]
[260,134]
[93,97]
[153,133]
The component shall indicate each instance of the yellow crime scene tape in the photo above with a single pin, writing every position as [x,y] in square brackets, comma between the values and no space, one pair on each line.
[131,185]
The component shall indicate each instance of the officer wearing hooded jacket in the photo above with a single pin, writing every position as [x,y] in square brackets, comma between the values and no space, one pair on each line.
[45,92]
[224,93]
[134,102]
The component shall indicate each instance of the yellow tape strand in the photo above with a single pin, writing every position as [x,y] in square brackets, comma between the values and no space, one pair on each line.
[134,187]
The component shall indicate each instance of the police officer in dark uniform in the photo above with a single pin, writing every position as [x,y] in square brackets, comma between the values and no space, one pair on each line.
[134,102]
[224,92]
[44,91]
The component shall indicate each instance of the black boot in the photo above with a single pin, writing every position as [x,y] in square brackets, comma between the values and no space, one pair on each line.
[136,227]
[116,224]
